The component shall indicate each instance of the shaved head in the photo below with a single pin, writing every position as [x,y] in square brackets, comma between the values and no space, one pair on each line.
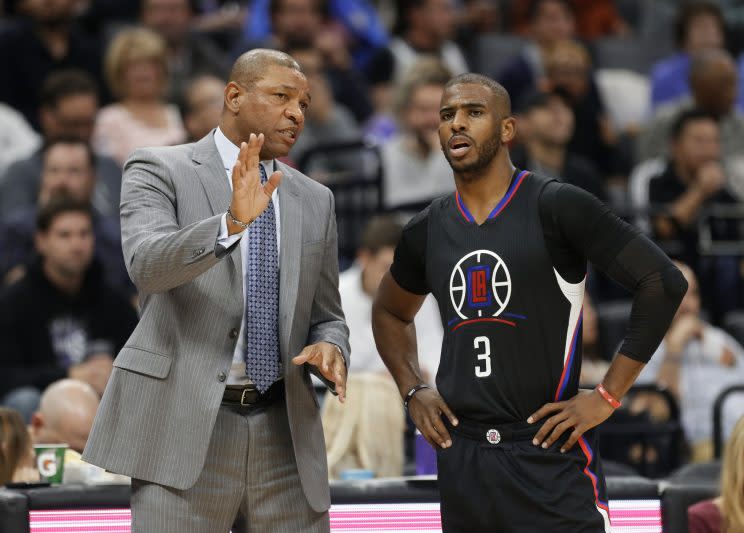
[65,414]
[252,65]
[497,90]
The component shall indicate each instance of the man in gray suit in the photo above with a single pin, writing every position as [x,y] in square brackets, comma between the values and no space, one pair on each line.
[210,408]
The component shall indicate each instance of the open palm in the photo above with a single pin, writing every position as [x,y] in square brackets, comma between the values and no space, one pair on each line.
[250,197]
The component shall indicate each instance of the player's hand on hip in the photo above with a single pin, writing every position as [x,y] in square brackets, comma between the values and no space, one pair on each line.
[579,414]
[327,358]
[426,409]
[250,197]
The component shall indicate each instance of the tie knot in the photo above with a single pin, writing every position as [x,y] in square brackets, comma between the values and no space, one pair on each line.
[262,173]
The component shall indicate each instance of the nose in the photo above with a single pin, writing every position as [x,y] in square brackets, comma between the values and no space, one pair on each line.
[294,113]
[459,122]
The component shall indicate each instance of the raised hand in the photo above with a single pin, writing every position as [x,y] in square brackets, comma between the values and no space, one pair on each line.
[250,197]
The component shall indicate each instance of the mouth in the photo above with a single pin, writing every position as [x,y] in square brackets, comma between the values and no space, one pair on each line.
[288,134]
[459,146]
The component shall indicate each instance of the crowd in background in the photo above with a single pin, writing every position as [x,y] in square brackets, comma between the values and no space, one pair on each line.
[637,101]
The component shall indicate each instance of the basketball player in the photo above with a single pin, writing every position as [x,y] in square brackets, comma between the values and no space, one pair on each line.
[505,256]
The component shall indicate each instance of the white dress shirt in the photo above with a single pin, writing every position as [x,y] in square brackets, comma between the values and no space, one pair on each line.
[229,155]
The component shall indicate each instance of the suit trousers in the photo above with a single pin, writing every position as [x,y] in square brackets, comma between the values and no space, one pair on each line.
[250,468]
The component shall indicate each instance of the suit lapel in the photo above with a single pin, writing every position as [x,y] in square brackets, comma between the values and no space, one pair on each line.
[290,208]
[211,173]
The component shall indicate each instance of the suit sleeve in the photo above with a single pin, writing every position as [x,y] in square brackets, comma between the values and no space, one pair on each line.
[327,321]
[595,233]
[159,254]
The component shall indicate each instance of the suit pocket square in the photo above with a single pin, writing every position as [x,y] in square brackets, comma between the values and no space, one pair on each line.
[143,361]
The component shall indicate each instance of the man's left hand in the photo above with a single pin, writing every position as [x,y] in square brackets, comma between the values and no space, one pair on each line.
[579,414]
[327,358]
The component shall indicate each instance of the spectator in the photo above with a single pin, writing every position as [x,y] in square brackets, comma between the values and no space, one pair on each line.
[695,362]
[189,54]
[726,512]
[68,108]
[594,18]
[137,72]
[551,21]
[568,67]
[414,167]
[17,462]
[547,125]
[423,28]
[62,319]
[17,139]
[326,121]
[67,168]
[66,412]
[374,405]
[202,105]
[692,179]
[713,80]
[33,47]
[700,26]
[307,24]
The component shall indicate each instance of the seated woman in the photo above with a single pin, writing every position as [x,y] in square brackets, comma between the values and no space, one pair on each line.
[137,74]
[16,453]
[725,513]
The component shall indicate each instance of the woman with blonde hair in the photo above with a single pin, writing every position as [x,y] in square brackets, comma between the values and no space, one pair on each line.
[724,514]
[136,68]
[16,452]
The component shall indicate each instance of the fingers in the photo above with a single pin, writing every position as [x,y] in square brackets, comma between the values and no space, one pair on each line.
[248,161]
[304,356]
[272,183]
[559,429]
[340,379]
[448,413]
[572,439]
[548,426]
[544,411]
[427,415]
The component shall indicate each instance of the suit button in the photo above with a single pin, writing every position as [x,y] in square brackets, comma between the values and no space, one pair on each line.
[233,333]
[222,376]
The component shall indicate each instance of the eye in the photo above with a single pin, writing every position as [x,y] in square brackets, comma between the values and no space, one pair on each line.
[282,96]
[475,112]
[304,106]
[446,116]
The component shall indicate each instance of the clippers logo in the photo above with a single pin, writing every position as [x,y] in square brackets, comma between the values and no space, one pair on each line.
[480,285]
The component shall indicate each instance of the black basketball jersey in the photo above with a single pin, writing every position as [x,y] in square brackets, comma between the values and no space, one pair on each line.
[512,324]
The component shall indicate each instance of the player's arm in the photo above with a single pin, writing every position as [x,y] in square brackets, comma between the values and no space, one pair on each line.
[636,263]
[399,297]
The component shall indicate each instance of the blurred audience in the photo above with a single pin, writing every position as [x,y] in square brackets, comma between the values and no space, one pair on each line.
[568,67]
[550,22]
[34,46]
[546,126]
[189,53]
[367,431]
[137,72]
[414,167]
[17,461]
[202,103]
[594,18]
[700,26]
[593,364]
[61,319]
[713,81]
[67,169]
[18,140]
[423,28]
[309,23]
[724,514]
[326,121]
[68,109]
[695,362]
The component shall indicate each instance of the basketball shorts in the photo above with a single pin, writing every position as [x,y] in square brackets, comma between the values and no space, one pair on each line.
[493,479]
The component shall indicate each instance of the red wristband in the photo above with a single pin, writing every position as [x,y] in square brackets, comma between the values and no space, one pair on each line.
[614,402]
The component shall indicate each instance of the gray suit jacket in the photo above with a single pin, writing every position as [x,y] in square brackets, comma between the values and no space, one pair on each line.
[160,405]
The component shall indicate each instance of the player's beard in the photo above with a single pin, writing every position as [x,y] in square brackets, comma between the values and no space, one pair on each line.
[486,154]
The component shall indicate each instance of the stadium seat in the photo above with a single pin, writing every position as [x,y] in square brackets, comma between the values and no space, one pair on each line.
[626,53]
[676,499]
[493,50]
[719,412]
[13,510]
[733,323]
[697,473]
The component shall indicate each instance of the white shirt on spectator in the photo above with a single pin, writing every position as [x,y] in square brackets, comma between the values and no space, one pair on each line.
[357,306]
[18,140]
[702,378]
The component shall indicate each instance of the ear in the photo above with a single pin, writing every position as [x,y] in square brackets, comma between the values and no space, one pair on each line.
[508,130]
[39,242]
[233,97]
[37,422]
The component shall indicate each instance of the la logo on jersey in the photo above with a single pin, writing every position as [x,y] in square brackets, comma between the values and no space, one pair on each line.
[480,285]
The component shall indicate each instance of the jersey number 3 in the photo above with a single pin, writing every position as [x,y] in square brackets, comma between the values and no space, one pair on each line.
[483,368]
